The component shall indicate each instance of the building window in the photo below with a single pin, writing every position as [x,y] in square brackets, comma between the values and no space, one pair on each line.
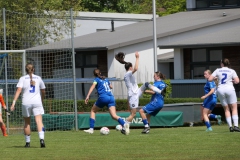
[203,4]
[203,59]
[87,59]
[216,3]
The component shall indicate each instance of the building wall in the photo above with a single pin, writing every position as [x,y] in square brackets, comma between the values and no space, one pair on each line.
[231,52]
[145,70]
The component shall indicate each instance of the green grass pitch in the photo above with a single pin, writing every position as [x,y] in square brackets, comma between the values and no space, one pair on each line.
[160,143]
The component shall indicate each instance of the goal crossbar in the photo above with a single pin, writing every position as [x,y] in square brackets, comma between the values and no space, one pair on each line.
[12,51]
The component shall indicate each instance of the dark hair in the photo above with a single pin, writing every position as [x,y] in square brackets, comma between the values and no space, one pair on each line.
[225,62]
[120,58]
[162,76]
[97,73]
[29,68]
[159,74]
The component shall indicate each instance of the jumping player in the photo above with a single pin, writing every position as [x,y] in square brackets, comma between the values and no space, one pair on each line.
[33,94]
[226,92]
[210,100]
[132,88]
[105,98]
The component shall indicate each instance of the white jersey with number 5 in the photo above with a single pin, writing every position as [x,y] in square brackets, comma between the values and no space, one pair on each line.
[31,94]
[225,77]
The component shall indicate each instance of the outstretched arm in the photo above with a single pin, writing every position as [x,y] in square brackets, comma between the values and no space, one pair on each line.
[153,88]
[136,63]
[90,91]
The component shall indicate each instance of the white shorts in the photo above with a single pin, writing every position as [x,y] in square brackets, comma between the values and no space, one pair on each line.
[134,99]
[32,109]
[227,96]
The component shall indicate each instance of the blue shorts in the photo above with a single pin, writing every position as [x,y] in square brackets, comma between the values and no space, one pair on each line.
[105,101]
[210,103]
[152,109]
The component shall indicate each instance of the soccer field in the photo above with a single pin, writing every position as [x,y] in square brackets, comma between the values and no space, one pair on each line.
[160,143]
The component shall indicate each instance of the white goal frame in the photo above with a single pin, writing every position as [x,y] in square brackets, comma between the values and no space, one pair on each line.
[6,79]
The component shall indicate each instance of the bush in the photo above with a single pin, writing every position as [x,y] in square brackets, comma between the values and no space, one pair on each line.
[121,104]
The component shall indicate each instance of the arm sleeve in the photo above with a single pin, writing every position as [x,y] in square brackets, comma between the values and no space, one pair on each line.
[214,74]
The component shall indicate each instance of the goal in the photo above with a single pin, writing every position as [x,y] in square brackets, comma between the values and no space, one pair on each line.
[55,68]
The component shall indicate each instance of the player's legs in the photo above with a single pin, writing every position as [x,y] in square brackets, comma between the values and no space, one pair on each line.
[223,99]
[206,119]
[232,103]
[145,121]
[27,131]
[92,118]
[235,116]
[3,127]
[37,110]
[112,111]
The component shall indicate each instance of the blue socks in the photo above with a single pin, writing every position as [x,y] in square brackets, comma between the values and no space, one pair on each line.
[212,116]
[207,124]
[121,121]
[92,122]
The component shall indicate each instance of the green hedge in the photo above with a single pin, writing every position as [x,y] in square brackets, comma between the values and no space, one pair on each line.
[121,104]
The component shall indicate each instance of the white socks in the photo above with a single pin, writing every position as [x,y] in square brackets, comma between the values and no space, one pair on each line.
[41,135]
[27,138]
[235,120]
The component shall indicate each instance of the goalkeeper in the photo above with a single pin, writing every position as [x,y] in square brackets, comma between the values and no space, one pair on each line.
[2,104]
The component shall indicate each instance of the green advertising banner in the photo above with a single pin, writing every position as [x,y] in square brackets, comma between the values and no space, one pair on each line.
[66,121]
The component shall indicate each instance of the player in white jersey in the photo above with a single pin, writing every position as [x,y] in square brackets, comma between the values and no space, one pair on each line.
[134,92]
[33,94]
[226,92]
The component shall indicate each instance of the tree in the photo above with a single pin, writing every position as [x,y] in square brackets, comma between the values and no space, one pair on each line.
[36,22]
[163,7]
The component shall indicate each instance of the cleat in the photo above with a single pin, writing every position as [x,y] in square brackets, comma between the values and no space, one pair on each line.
[5,135]
[219,119]
[236,129]
[27,145]
[209,129]
[231,129]
[126,128]
[123,131]
[42,144]
[90,131]
[146,130]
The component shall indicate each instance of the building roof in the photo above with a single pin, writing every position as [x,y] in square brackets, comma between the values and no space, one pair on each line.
[166,26]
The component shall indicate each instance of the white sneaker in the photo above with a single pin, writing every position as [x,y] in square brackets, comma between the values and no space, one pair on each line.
[126,127]
[90,131]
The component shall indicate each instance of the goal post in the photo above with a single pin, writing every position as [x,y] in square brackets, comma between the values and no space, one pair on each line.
[4,77]
[55,68]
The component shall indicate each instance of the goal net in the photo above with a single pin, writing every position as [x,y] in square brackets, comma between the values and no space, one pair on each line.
[34,38]
[56,72]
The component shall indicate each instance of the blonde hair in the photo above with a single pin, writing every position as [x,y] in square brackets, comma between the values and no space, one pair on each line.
[30,69]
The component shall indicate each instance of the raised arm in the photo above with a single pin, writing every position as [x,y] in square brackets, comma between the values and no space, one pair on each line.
[136,63]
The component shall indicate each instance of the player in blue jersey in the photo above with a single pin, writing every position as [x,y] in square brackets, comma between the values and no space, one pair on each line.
[157,100]
[210,100]
[226,92]
[105,98]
